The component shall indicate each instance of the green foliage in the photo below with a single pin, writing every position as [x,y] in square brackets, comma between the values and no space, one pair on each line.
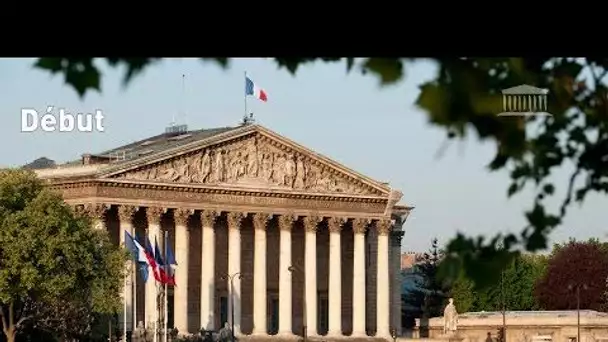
[463,292]
[55,269]
[516,283]
[464,97]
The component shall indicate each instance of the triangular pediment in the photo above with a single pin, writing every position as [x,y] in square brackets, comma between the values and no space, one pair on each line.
[252,157]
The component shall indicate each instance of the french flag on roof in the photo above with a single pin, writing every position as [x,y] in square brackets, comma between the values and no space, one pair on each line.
[251,89]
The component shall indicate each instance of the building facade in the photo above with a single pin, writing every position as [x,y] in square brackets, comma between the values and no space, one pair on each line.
[294,238]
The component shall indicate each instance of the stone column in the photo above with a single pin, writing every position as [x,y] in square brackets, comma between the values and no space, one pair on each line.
[396,284]
[310,270]
[182,250]
[382,287]
[334,224]
[125,215]
[234,267]
[285,297]
[97,213]
[260,287]
[153,215]
[208,269]
[359,227]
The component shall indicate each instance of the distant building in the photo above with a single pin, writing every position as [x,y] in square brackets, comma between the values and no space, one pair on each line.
[409,259]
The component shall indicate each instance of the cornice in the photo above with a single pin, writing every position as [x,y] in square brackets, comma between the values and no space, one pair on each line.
[210,189]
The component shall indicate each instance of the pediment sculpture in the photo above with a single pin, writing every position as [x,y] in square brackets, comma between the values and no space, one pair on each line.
[251,162]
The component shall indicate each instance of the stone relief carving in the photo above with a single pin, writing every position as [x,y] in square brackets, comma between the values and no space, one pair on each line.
[253,161]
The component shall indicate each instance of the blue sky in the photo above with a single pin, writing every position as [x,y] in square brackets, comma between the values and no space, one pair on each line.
[347,117]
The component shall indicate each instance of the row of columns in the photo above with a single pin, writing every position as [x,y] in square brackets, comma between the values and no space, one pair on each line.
[260,221]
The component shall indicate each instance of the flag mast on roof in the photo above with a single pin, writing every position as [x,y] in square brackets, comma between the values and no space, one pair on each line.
[251,89]
[174,129]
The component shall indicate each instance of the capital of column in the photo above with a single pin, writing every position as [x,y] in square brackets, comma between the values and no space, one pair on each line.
[383,227]
[79,209]
[360,225]
[334,224]
[181,216]
[260,220]
[208,217]
[234,219]
[311,222]
[286,221]
[397,236]
[126,212]
[95,210]
[154,214]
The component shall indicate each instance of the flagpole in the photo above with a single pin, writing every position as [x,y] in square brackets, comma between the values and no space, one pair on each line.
[245,117]
[166,313]
[156,306]
[155,338]
[124,300]
[134,277]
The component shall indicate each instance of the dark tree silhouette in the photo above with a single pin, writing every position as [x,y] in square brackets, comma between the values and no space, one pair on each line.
[583,264]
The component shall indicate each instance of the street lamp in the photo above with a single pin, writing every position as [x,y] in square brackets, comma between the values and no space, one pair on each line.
[503,301]
[578,308]
[231,278]
[294,269]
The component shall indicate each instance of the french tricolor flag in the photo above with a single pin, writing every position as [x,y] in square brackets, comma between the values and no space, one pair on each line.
[253,90]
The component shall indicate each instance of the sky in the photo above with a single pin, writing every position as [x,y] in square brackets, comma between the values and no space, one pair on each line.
[348,117]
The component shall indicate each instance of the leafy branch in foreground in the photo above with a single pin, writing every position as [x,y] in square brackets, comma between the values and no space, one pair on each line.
[465,97]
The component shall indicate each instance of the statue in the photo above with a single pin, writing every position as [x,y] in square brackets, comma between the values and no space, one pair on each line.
[450,318]
[225,334]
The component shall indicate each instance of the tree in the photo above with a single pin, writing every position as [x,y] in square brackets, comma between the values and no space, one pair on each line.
[464,97]
[429,292]
[516,286]
[55,269]
[575,264]
[463,293]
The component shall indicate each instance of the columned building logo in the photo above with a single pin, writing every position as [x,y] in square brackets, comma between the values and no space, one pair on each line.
[524,100]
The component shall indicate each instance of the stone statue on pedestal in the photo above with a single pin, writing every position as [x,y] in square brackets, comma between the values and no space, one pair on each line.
[450,318]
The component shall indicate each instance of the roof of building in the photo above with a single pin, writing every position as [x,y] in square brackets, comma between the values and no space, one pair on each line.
[141,148]
[160,142]
[40,163]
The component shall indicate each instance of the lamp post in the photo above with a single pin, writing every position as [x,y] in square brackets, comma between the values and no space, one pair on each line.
[231,278]
[293,269]
[503,301]
[578,308]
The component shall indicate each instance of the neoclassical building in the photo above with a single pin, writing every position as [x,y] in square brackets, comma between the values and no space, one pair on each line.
[312,243]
